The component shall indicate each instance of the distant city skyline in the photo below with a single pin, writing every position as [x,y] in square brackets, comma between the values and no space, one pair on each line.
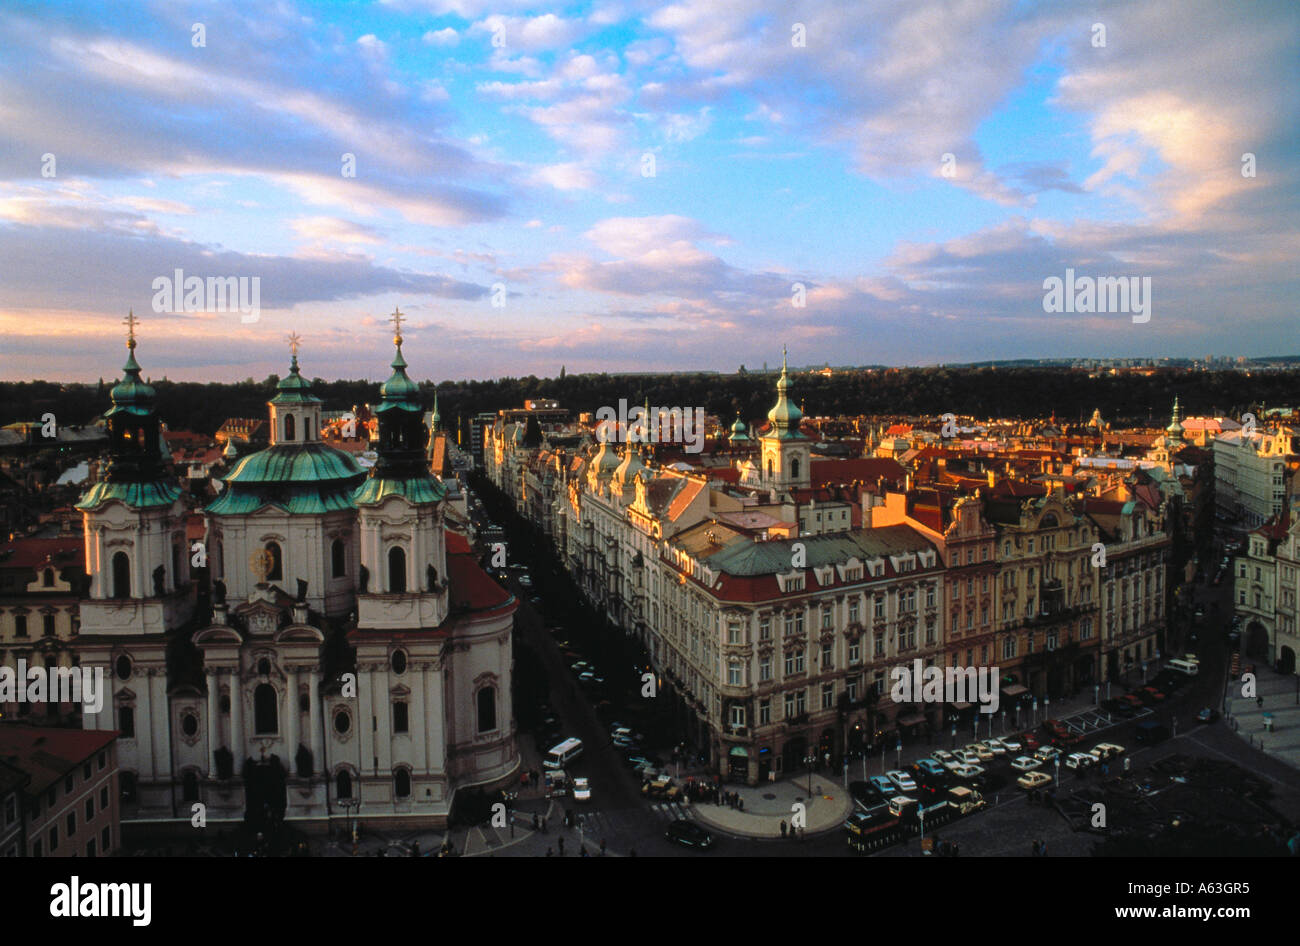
[618,185]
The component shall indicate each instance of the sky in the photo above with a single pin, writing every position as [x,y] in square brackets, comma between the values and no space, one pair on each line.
[621,186]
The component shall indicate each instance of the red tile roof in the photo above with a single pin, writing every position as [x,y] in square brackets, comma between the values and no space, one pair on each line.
[65,551]
[862,469]
[48,753]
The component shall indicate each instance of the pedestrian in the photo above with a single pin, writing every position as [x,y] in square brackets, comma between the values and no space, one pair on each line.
[550,852]
[783,828]
[560,842]
[742,804]
[1043,849]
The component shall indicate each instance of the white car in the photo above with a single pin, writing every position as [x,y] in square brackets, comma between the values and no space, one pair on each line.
[581,790]
[1079,760]
[1046,753]
[1011,742]
[1032,780]
[1107,750]
[995,746]
[1025,763]
[967,771]
[981,751]
[943,757]
[901,779]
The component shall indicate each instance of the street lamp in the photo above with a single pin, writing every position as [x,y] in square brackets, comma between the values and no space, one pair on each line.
[350,805]
[898,759]
[954,732]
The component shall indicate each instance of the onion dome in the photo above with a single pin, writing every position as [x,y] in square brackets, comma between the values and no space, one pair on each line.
[785,416]
[138,469]
[629,468]
[739,433]
[403,464]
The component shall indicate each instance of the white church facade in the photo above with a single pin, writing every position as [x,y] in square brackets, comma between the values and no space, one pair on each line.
[351,659]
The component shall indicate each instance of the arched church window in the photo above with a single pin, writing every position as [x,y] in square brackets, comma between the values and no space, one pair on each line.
[794,467]
[402,783]
[487,709]
[396,570]
[190,786]
[338,559]
[265,709]
[276,572]
[288,427]
[343,784]
[121,575]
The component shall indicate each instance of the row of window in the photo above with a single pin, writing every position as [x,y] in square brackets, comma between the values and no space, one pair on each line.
[49,625]
[92,848]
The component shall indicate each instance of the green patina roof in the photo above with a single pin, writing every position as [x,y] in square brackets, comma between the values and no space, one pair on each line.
[294,389]
[399,392]
[293,501]
[310,477]
[416,489]
[747,558]
[310,462]
[136,495]
[131,395]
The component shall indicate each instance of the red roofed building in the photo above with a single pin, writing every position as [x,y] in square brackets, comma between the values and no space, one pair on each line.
[67,803]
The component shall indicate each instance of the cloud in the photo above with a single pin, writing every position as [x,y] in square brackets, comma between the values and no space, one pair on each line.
[442,37]
[565,177]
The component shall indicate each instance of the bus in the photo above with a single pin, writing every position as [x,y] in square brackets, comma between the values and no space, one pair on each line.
[1189,667]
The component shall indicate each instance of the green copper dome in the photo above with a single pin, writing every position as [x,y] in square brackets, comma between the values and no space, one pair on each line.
[300,477]
[399,392]
[739,433]
[131,395]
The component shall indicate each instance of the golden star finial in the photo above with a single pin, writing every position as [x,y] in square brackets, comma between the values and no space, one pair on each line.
[130,322]
[397,318]
[295,341]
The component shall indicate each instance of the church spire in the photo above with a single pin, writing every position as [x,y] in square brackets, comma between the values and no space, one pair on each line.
[402,433]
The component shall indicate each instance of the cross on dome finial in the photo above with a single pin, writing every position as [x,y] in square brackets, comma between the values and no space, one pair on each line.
[397,319]
[783,358]
[130,322]
[295,342]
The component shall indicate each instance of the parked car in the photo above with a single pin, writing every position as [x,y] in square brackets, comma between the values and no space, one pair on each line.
[1029,741]
[1079,760]
[981,751]
[966,757]
[943,756]
[930,766]
[1025,763]
[995,746]
[581,790]
[663,788]
[1012,744]
[1154,693]
[689,834]
[901,780]
[1031,780]
[883,785]
[1046,753]
[966,772]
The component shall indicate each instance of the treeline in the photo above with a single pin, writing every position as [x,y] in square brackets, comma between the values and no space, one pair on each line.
[1071,395]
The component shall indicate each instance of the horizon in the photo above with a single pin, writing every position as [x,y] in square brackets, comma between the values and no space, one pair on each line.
[608,185]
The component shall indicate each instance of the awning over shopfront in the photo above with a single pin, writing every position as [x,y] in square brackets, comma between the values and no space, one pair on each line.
[740,751]
[1014,690]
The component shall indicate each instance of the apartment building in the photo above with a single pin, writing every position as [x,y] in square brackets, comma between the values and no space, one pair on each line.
[1250,475]
[781,650]
[70,799]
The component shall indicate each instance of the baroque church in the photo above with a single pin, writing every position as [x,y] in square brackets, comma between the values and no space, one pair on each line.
[344,654]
